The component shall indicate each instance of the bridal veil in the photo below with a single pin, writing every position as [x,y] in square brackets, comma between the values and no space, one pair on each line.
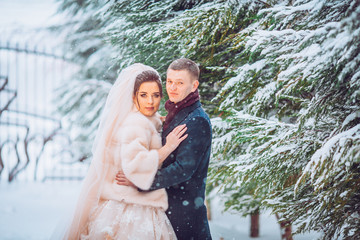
[118,105]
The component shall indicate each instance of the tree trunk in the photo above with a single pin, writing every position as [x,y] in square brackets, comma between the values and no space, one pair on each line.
[254,226]
[285,229]
[208,209]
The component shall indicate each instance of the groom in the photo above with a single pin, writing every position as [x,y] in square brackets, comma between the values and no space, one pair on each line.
[183,174]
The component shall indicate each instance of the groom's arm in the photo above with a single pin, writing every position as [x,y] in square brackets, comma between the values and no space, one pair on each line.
[189,154]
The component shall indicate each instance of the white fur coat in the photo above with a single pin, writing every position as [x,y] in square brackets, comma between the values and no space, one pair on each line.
[134,151]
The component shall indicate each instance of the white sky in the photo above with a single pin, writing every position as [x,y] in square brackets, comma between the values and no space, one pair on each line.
[27,13]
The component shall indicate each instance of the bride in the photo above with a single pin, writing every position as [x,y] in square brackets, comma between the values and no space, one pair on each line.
[127,140]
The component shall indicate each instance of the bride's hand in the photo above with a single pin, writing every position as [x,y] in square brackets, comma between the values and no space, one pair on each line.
[176,136]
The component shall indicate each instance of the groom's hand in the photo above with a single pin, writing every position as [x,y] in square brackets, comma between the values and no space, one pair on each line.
[122,180]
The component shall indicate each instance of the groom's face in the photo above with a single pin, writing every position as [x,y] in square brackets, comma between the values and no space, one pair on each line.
[179,84]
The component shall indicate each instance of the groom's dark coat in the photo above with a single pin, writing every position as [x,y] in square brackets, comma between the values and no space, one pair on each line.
[184,173]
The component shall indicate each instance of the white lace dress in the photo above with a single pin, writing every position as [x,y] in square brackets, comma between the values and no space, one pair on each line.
[119,220]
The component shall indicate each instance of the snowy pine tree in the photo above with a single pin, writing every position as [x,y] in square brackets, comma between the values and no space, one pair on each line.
[82,98]
[289,134]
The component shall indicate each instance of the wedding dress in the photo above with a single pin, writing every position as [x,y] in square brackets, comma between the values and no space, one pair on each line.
[118,220]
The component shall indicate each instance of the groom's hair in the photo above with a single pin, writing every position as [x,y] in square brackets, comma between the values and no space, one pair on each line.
[186,64]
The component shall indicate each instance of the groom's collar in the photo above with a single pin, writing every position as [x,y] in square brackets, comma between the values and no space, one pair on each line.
[181,115]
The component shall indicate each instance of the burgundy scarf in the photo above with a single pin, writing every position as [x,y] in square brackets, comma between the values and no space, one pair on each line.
[174,108]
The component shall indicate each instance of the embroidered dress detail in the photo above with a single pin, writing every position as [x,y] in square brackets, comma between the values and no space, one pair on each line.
[123,221]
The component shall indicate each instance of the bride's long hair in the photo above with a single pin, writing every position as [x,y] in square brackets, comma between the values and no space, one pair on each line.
[118,105]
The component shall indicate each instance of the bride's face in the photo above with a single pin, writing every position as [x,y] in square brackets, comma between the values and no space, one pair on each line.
[147,99]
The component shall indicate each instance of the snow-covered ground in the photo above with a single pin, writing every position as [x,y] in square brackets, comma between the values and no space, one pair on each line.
[31,210]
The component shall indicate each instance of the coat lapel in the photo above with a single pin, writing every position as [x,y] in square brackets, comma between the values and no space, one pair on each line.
[180,116]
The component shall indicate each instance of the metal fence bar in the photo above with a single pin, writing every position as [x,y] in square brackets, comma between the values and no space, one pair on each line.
[33,51]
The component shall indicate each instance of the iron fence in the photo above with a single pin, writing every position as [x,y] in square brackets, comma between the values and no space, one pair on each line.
[33,144]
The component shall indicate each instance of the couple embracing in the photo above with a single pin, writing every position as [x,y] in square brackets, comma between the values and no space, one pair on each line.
[147,177]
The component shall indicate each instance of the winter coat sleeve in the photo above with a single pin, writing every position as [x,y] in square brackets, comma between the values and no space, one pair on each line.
[188,155]
[139,163]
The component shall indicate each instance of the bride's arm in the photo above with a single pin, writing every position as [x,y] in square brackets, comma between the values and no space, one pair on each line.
[172,142]
[140,163]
